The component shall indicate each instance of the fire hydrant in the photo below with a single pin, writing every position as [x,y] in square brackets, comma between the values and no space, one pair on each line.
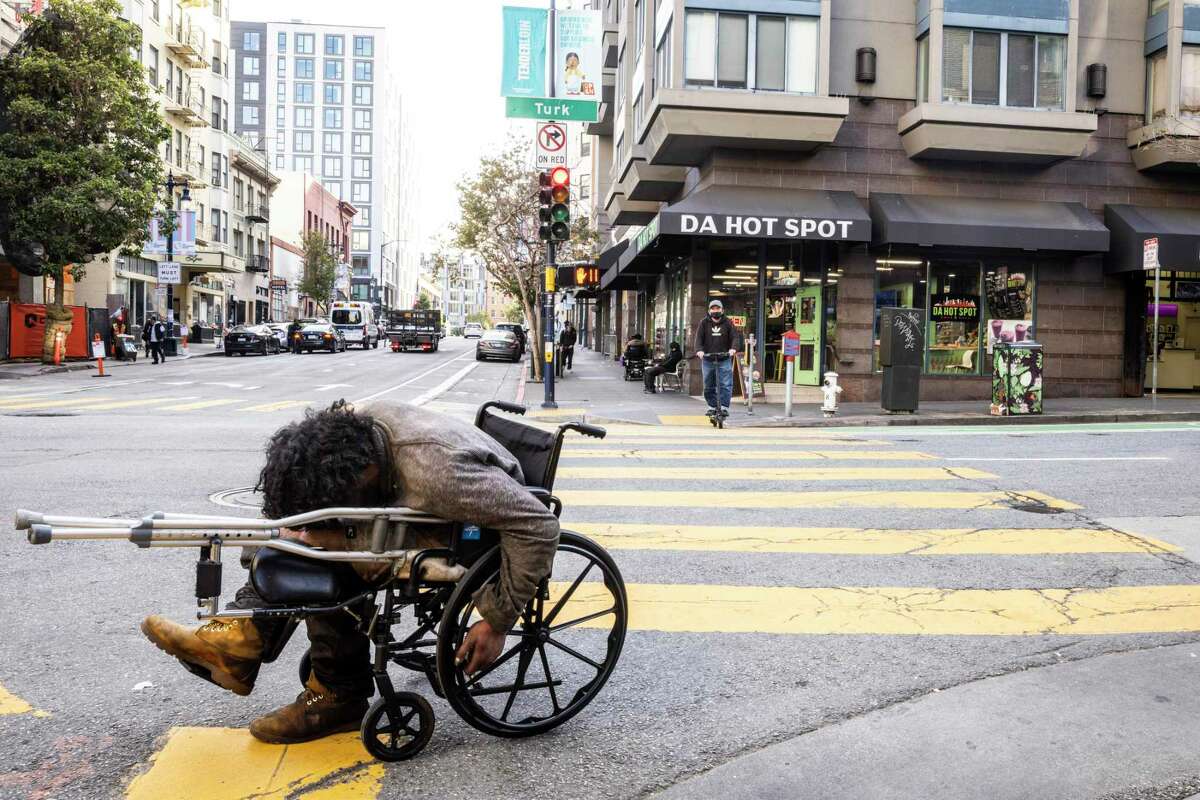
[830,391]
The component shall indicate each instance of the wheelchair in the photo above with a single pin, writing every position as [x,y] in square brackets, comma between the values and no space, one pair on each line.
[555,661]
[636,363]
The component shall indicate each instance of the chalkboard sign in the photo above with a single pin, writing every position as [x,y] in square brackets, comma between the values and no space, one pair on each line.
[901,336]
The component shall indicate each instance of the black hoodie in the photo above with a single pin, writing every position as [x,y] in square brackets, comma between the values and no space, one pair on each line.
[718,337]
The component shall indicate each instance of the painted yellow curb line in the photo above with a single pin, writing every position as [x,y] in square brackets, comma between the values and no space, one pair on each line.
[776,473]
[577,498]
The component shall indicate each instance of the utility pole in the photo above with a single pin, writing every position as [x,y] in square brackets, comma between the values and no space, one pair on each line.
[172,185]
[551,266]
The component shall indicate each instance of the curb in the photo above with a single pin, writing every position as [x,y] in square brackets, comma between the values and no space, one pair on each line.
[972,419]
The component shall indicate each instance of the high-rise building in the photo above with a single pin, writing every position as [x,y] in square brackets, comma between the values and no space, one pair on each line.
[323,100]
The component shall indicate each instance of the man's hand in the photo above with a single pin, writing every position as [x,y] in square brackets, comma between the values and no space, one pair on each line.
[732,353]
[481,647]
[700,354]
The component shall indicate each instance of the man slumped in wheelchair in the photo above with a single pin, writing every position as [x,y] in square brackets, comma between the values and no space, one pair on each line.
[338,484]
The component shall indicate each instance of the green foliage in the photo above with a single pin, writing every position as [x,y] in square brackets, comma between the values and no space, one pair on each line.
[423,302]
[79,139]
[320,269]
[481,317]
[514,313]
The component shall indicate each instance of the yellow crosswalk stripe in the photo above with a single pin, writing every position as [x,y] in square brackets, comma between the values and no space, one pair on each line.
[687,420]
[644,454]
[33,405]
[556,413]
[577,498]
[145,401]
[722,444]
[229,764]
[766,435]
[278,406]
[777,473]
[11,704]
[868,541]
[199,404]
[887,610]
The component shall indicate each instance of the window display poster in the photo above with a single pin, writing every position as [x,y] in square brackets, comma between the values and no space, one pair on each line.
[1008,294]
[577,54]
[955,308]
[1009,331]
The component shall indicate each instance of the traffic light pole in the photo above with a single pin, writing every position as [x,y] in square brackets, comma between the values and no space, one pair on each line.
[548,328]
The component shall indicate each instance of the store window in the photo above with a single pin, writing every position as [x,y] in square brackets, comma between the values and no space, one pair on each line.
[899,283]
[1008,304]
[717,51]
[995,68]
[1189,88]
[954,310]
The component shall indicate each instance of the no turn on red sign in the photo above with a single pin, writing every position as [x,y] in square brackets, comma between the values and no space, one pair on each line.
[550,145]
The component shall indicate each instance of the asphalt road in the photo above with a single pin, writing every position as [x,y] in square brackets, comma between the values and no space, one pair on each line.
[780,582]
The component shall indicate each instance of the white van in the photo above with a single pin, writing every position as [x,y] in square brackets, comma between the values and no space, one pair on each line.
[356,321]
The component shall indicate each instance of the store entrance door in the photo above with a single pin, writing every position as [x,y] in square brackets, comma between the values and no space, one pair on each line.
[808,326]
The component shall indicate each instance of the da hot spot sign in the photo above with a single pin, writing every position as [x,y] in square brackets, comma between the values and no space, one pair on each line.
[551,146]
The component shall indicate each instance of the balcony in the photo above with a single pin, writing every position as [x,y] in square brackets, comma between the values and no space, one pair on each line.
[645,181]
[188,109]
[604,125]
[609,45]
[258,212]
[1000,135]
[685,125]
[189,46]
[1167,145]
[623,211]
[258,263]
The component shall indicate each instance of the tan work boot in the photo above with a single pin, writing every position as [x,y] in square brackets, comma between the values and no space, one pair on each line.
[230,651]
[316,712]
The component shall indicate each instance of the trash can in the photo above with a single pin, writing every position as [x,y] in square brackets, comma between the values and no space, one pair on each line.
[1016,378]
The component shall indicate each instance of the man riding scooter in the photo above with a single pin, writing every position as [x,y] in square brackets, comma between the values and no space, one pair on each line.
[717,342]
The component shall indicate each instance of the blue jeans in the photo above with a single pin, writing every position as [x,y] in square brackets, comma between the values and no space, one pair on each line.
[717,375]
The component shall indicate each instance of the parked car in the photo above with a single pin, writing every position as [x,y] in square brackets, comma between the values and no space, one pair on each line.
[251,339]
[498,344]
[281,333]
[320,336]
[518,329]
[472,330]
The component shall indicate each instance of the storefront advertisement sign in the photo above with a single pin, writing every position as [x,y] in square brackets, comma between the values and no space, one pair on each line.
[955,308]
[758,227]
[645,236]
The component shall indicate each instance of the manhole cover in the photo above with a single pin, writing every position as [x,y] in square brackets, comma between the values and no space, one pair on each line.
[1036,508]
[245,497]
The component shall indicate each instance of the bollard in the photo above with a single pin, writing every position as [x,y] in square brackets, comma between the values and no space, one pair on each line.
[98,352]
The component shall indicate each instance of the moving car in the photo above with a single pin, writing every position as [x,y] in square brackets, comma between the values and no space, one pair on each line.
[320,336]
[516,328]
[498,344]
[251,339]
[472,330]
[356,321]
[414,328]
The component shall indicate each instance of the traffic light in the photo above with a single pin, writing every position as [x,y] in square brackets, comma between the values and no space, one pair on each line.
[554,198]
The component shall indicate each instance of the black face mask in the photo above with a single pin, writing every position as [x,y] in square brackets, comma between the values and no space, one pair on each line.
[716,315]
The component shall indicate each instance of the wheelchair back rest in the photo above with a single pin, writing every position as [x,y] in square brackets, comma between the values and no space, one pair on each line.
[285,579]
[532,447]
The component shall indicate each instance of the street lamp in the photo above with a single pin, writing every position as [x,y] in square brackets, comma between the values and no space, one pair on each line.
[186,197]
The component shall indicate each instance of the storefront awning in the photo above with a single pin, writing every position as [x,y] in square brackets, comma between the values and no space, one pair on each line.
[975,222]
[608,265]
[1177,231]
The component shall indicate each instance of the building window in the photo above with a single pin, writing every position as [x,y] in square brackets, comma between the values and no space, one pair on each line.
[639,17]
[152,65]
[923,69]
[304,93]
[360,240]
[1014,70]
[638,115]
[716,51]
[154,10]
[333,69]
[331,143]
[364,70]
[1157,83]
[280,116]
[619,97]
[216,173]
[585,186]
[364,46]
[281,42]
[281,66]
[305,68]
[216,57]
[334,45]
[251,41]
[333,187]
[1189,85]
[331,167]
[303,141]
[303,117]
[216,112]
[362,119]
[362,168]
[364,217]
[362,95]
[1158,5]
[360,193]
[251,67]
[662,62]
[250,116]
[362,143]
[333,118]
[306,43]
[303,164]
[585,146]
[333,94]
[279,160]
[281,91]
[215,222]
[250,91]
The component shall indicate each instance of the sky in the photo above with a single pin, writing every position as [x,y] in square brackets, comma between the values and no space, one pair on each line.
[448,56]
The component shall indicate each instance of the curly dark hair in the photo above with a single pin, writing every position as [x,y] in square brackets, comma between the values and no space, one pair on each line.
[317,462]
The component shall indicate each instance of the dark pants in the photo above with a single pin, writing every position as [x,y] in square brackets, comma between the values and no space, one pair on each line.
[568,355]
[341,654]
[156,351]
[653,373]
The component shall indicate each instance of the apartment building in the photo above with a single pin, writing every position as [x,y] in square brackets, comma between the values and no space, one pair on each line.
[463,289]
[304,204]
[996,165]
[323,100]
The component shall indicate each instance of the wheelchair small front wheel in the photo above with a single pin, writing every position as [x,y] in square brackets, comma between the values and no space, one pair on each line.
[557,657]
[399,729]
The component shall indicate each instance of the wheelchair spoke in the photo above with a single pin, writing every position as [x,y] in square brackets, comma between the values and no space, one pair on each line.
[522,668]
[577,654]
[550,683]
[567,596]
[512,686]
[581,620]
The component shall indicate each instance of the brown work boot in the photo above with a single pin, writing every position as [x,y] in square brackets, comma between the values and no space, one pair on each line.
[229,651]
[315,713]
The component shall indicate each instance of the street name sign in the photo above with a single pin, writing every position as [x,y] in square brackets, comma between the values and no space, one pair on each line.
[558,108]
[1150,253]
[550,145]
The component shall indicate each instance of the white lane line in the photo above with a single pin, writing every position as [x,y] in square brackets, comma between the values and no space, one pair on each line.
[250,388]
[413,379]
[445,385]
[176,383]
[330,386]
[226,385]
[1062,458]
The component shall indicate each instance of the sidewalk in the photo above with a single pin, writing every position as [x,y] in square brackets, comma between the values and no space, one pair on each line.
[594,389]
[14,370]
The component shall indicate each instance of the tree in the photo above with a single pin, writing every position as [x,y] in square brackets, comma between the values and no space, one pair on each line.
[498,223]
[320,270]
[423,302]
[79,146]
[481,317]
[515,312]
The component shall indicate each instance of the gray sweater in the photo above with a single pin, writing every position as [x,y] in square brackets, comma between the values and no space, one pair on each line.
[445,467]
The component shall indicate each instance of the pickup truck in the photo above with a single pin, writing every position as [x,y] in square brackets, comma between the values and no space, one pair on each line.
[414,329]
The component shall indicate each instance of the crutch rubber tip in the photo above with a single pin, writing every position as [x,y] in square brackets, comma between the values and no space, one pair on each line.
[26,518]
[40,534]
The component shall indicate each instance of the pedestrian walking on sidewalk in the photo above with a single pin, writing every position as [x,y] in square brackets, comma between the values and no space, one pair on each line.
[670,365]
[153,335]
[717,342]
[566,341]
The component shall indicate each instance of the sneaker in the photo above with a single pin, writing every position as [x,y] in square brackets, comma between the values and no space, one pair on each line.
[710,412]
[315,713]
[226,652]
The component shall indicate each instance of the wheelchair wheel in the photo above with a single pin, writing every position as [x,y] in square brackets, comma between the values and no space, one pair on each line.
[558,655]
[397,730]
